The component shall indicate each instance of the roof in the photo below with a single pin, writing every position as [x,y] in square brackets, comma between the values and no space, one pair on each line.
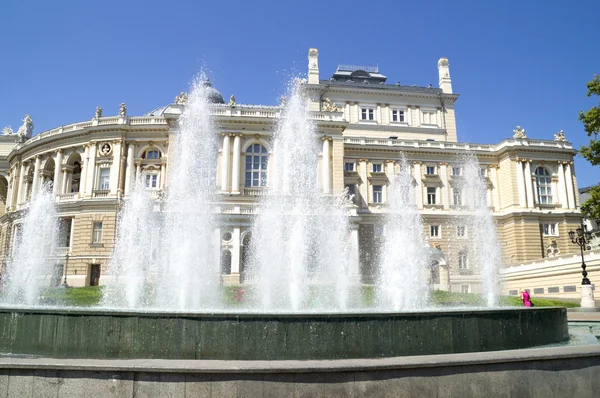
[382,86]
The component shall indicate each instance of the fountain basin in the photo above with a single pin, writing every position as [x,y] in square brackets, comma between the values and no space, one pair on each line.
[78,333]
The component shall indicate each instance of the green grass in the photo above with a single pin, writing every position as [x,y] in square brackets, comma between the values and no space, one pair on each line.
[238,296]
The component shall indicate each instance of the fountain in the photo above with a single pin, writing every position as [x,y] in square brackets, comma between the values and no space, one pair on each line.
[30,270]
[164,296]
[401,283]
[305,232]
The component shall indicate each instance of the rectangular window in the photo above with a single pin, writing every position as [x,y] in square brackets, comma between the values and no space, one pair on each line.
[152,155]
[377,167]
[397,116]
[377,194]
[462,260]
[97,232]
[367,114]
[465,288]
[434,231]
[554,289]
[429,117]
[550,229]
[104,179]
[348,166]
[151,180]
[430,170]
[538,290]
[569,289]
[461,231]
[482,172]
[457,196]
[431,196]
[457,171]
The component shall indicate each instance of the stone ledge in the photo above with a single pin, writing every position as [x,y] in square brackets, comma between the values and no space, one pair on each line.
[306,366]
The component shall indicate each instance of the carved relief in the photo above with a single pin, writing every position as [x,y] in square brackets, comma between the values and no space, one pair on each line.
[519,133]
[181,99]
[328,106]
[560,136]
[105,149]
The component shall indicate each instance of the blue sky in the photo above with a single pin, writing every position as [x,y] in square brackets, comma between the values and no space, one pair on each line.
[514,63]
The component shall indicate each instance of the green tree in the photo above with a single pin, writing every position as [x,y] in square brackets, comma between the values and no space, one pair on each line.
[591,152]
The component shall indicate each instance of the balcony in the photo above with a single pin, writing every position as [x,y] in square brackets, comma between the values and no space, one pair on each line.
[254,191]
[101,193]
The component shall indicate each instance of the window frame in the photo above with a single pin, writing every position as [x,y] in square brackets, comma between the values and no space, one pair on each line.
[352,167]
[104,178]
[367,113]
[437,229]
[377,194]
[463,260]
[546,177]
[458,231]
[551,230]
[97,232]
[428,194]
[378,166]
[256,177]
[427,167]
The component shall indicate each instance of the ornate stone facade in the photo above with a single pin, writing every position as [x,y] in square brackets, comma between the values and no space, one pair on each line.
[364,127]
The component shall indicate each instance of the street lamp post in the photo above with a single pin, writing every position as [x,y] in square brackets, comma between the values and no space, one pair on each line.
[582,237]
[64,284]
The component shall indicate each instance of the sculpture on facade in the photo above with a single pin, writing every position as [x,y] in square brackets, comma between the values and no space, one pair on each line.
[560,136]
[345,198]
[98,112]
[7,130]
[552,250]
[519,133]
[181,99]
[232,101]
[26,130]
[122,109]
[328,106]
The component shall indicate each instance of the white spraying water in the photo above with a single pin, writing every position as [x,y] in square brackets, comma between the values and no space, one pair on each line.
[30,269]
[132,269]
[181,270]
[402,281]
[300,242]
[485,253]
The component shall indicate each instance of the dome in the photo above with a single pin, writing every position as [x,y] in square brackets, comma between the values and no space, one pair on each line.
[212,94]
[156,112]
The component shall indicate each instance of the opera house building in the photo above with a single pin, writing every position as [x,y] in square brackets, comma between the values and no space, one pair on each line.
[365,125]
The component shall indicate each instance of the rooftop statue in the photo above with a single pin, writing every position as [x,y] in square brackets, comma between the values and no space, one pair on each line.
[519,133]
[181,99]
[328,106]
[98,112]
[560,136]
[232,101]
[122,109]
[26,130]
[7,130]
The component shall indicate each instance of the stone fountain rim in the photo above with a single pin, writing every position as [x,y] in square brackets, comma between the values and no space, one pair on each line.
[74,311]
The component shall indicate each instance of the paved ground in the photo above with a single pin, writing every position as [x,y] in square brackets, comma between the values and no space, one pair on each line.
[583,316]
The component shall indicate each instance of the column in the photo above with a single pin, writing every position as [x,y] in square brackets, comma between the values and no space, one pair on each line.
[235,251]
[225,160]
[495,187]
[9,188]
[379,118]
[326,167]
[138,172]
[347,112]
[84,168]
[235,172]
[163,175]
[562,187]
[36,176]
[391,176]
[363,187]
[115,167]
[129,169]
[57,169]
[90,172]
[521,184]
[65,181]
[353,266]
[445,190]
[21,190]
[419,187]
[529,185]
[356,113]
[570,190]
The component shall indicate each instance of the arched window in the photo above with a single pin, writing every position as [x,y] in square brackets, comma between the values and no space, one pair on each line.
[544,185]
[151,154]
[225,262]
[256,166]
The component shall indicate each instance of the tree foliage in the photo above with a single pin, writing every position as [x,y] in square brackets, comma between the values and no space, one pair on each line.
[591,152]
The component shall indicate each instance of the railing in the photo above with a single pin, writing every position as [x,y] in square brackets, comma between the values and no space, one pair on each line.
[69,196]
[457,145]
[101,193]
[259,191]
